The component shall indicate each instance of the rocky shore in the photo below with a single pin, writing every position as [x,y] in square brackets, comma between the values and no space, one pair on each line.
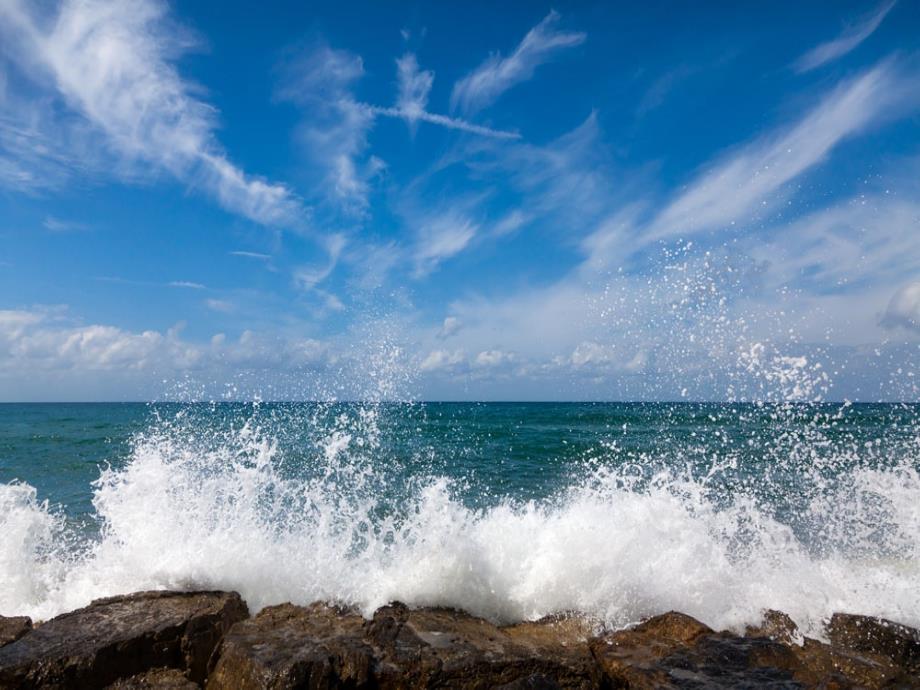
[208,639]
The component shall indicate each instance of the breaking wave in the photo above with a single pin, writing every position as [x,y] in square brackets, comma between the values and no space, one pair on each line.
[821,526]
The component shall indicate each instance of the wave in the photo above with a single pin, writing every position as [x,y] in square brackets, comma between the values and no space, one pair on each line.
[194,510]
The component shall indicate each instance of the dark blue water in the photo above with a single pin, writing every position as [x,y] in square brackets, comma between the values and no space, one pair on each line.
[493,450]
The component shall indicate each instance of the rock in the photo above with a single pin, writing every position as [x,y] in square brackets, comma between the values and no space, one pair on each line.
[180,641]
[324,646]
[448,648]
[120,637]
[158,679]
[899,643]
[777,626]
[291,646]
[817,664]
[11,629]
[676,651]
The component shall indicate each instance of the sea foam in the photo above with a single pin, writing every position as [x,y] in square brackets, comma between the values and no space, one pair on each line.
[229,512]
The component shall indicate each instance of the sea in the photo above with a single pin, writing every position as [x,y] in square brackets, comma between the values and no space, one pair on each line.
[511,511]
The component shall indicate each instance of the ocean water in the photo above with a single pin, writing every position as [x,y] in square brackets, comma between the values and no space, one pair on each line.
[510,511]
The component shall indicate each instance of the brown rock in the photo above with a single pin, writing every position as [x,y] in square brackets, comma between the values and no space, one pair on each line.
[899,643]
[777,626]
[676,651]
[158,679]
[323,646]
[291,646]
[121,637]
[817,664]
[11,629]
[448,648]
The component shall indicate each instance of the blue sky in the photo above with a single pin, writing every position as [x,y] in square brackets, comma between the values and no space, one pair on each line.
[459,201]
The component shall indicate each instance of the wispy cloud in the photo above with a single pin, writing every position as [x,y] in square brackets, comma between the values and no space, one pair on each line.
[742,183]
[252,255]
[441,236]
[849,39]
[444,121]
[451,326]
[491,79]
[308,277]
[113,63]
[414,85]
[58,225]
[186,284]
[904,308]
[219,305]
[321,81]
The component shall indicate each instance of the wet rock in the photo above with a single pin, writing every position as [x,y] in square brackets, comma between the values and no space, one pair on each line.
[777,626]
[158,679]
[448,648]
[120,637]
[899,643]
[11,629]
[291,646]
[816,664]
[676,651]
[323,646]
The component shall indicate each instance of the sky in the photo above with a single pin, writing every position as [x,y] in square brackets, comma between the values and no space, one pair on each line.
[459,201]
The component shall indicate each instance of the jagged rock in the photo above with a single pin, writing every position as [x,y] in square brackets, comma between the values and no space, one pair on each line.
[777,626]
[158,679]
[676,651]
[120,637]
[291,646]
[181,641]
[894,641]
[11,629]
[323,646]
[822,665]
[448,648]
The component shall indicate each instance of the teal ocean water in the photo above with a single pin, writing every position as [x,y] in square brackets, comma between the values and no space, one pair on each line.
[511,511]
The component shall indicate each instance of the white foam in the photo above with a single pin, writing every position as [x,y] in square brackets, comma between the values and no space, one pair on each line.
[193,513]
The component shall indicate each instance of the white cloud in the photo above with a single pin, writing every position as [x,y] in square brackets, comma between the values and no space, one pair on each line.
[46,345]
[308,277]
[57,225]
[441,237]
[439,360]
[849,39]
[737,187]
[335,133]
[511,222]
[866,240]
[451,326]
[323,82]
[493,359]
[113,63]
[904,308]
[568,179]
[186,284]
[591,354]
[444,121]
[496,75]
[414,85]
[252,255]
[219,305]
